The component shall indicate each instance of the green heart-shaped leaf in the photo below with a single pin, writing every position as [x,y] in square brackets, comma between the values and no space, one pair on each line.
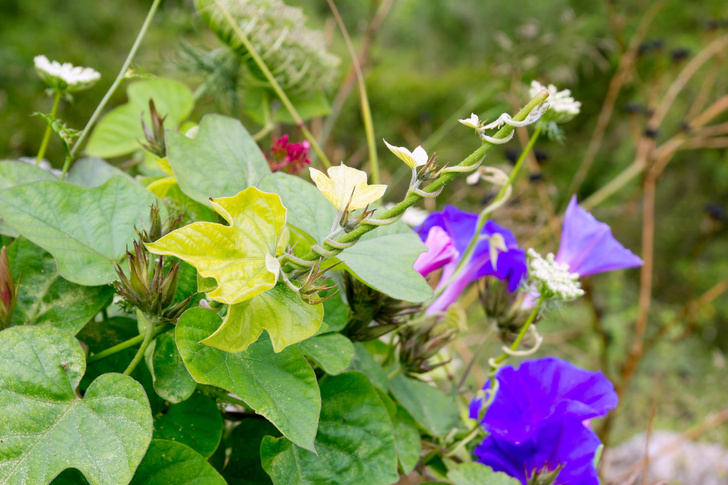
[409,444]
[332,352]
[86,230]
[280,386]
[46,428]
[433,410]
[195,422]
[170,463]
[383,258]
[364,362]
[241,256]
[473,473]
[14,173]
[355,440]
[92,172]
[120,131]
[244,466]
[220,161]
[44,298]
[280,311]
[171,380]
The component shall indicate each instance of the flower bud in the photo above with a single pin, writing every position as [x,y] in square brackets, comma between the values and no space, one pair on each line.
[8,291]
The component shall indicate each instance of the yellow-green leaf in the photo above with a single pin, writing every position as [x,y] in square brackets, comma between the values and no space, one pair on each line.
[281,312]
[241,256]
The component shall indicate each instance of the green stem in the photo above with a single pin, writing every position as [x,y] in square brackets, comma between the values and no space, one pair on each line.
[522,334]
[460,444]
[119,77]
[125,345]
[274,84]
[47,135]
[485,214]
[434,186]
[148,337]
[267,121]
[366,112]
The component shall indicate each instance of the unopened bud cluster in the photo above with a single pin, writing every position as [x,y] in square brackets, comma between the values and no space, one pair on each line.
[418,346]
[551,279]
[154,136]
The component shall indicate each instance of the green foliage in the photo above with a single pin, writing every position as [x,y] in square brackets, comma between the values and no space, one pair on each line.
[44,297]
[433,410]
[195,422]
[279,386]
[220,161]
[172,463]
[104,434]
[170,378]
[86,230]
[355,440]
[244,467]
[280,311]
[478,474]
[120,131]
[332,352]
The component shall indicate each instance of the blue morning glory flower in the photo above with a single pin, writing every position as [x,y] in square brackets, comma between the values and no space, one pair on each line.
[536,421]
[588,246]
[564,447]
[496,255]
[541,389]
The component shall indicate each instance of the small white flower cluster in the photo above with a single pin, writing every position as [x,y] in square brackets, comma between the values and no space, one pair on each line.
[563,107]
[552,279]
[66,76]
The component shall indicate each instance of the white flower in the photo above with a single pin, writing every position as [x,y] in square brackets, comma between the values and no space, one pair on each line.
[563,106]
[551,279]
[65,77]
[472,122]
[413,159]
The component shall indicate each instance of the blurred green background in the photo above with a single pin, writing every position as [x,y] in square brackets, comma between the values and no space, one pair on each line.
[434,61]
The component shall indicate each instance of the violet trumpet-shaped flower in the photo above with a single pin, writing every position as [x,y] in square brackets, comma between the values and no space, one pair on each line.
[440,251]
[565,449]
[497,254]
[536,420]
[588,246]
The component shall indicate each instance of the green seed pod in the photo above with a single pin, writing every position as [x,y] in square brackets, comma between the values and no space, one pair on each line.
[296,56]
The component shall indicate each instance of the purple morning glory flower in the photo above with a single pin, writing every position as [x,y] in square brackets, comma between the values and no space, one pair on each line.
[566,447]
[589,247]
[460,227]
[440,251]
[536,421]
[540,390]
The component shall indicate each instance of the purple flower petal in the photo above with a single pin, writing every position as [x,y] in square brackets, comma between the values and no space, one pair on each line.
[543,388]
[588,246]
[557,443]
[440,251]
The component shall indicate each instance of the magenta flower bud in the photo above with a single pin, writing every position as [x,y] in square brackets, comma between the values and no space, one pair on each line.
[440,251]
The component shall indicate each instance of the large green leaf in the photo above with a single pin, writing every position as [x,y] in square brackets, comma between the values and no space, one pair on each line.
[244,466]
[409,444]
[195,422]
[308,210]
[171,380]
[473,473]
[364,362]
[332,352]
[355,440]
[170,463]
[279,386]
[92,172]
[220,162]
[280,311]
[44,298]
[383,259]
[120,131]
[14,173]
[85,229]
[241,257]
[433,410]
[44,425]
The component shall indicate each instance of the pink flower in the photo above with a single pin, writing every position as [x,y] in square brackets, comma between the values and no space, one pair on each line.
[288,157]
